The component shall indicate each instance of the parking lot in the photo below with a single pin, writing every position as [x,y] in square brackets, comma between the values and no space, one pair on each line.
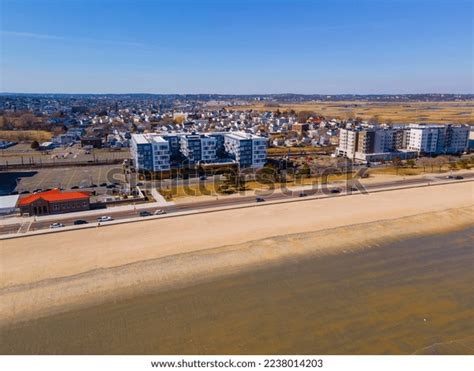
[71,178]
[23,154]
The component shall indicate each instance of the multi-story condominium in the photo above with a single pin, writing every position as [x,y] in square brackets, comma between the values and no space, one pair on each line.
[348,142]
[248,150]
[154,152]
[198,147]
[174,143]
[373,143]
[423,139]
[150,152]
[440,139]
[382,143]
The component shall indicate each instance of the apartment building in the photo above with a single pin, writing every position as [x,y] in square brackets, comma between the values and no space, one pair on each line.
[373,143]
[247,150]
[199,148]
[154,152]
[150,152]
[440,139]
[376,143]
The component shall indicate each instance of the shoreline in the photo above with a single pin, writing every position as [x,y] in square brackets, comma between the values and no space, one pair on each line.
[53,296]
[36,258]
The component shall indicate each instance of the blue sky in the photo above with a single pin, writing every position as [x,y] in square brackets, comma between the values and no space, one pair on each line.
[237,46]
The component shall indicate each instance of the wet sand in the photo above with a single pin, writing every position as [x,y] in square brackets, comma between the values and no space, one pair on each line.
[409,296]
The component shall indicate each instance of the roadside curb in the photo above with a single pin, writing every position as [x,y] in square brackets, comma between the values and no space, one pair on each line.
[225,208]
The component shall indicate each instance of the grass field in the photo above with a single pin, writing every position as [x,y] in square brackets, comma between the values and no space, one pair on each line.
[416,112]
[29,135]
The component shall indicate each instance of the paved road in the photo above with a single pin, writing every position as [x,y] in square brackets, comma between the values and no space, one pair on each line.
[68,220]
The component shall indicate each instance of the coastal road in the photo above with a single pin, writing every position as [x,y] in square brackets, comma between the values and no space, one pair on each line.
[68,219]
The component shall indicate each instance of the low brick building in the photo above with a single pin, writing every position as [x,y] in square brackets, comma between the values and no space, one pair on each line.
[54,202]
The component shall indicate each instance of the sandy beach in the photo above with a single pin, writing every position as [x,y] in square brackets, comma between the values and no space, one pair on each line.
[56,274]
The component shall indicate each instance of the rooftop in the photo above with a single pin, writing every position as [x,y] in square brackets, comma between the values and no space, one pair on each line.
[54,195]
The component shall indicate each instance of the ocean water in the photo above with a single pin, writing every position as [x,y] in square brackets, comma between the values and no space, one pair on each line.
[411,296]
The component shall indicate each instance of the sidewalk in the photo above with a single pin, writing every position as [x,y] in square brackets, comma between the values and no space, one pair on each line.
[79,214]
[223,208]
[430,177]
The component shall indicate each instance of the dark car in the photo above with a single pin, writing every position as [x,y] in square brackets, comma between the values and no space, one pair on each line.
[144,213]
[110,186]
[103,184]
[93,185]
[302,194]
[335,190]
[459,177]
[80,221]
[259,199]
[74,187]
[24,192]
[202,177]
[37,190]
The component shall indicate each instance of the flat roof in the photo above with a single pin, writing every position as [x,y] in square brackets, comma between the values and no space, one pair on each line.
[140,138]
[242,135]
[8,202]
[158,139]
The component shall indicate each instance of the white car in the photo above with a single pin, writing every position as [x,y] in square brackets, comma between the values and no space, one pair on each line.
[56,225]
[159,212]
[104,219]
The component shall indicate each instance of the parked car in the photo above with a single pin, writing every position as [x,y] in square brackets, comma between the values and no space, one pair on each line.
[37,190]
[335,190]
[203,177]
[302,194]
[450,177]
[459,177]
[144,213]
[74,187]
[159,212]
[56,225]
[103,184]
[104,219]
[80,221]
[259,199]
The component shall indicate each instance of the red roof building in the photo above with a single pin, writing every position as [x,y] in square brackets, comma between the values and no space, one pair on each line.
[54,202]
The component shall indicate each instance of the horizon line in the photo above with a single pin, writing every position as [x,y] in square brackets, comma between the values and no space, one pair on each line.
[230,94]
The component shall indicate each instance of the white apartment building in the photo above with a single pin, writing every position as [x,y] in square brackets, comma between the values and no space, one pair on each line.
[423,139]
[247,149]
[438,139]
[347,143]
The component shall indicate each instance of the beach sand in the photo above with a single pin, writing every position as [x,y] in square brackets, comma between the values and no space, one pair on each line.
[359,274]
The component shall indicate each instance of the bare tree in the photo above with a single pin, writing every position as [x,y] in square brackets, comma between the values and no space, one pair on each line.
[397,164]
[424,162]
[440,161]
